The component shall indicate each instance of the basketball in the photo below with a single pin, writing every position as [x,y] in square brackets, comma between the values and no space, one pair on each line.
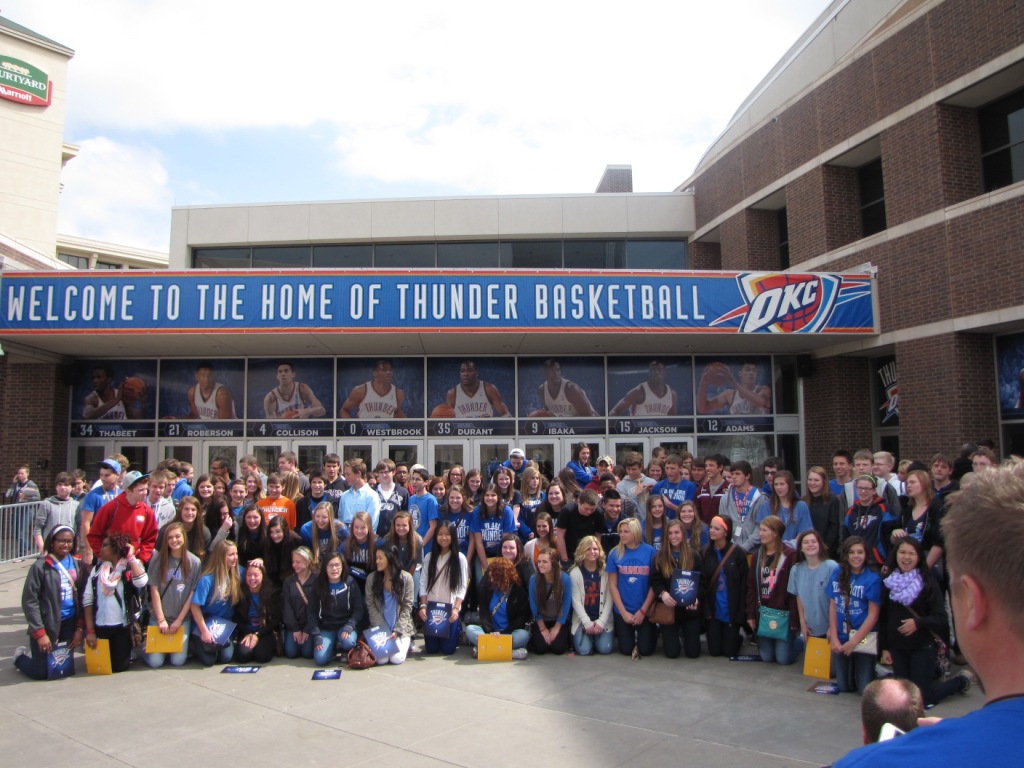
[133,388]
[718,374]
[443,412]
[289,414]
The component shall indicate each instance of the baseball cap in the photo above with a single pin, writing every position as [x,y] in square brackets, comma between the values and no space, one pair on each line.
[111,464]
[606,460]
[516,453]
[131,478]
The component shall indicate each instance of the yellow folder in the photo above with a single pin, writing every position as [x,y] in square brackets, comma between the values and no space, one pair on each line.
[818,658]
[97,660]
[157,642]
[494,648]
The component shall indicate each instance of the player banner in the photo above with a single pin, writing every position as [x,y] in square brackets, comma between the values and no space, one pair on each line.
[139,301]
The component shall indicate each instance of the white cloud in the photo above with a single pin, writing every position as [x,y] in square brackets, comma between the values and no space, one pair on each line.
[116,193]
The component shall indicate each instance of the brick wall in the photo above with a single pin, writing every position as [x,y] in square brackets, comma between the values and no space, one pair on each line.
[35,402]
[750,240]
[705,256]
[837,408]
[947,393]
[823,211]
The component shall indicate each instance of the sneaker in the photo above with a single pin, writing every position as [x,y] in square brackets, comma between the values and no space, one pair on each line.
[519,653]
[969,679]
[22,651]
[474,651]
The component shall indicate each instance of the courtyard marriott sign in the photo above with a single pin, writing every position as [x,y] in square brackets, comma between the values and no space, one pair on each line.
[23,83]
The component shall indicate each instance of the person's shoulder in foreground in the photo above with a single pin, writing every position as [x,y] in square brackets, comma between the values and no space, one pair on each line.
[974,739]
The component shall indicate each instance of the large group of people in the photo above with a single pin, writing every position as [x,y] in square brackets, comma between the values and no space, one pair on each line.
[653,551]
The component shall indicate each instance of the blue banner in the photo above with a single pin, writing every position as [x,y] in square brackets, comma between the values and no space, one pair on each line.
[555,301]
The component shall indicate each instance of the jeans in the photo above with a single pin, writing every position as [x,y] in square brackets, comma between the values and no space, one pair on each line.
[587,644]
[520,637]
[35,664]
[444,645]
[785,652]
[398,656]
[330,642]
[723,639]
[155,660]
[293,650]
[918,666]
[856,669]
[689,630]
[642,637]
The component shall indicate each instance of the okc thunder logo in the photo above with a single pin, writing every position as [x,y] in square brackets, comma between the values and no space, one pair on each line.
[216,628]
[891,407]
[785,303]
[61,653]
[379,640]
[437,618]
[684,586]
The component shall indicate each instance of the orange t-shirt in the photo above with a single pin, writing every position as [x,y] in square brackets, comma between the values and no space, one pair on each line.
[281,506]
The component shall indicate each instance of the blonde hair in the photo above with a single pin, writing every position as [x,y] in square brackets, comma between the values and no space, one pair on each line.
[226,583]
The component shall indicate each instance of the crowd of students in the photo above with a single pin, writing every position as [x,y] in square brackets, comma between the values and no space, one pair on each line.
[602,557]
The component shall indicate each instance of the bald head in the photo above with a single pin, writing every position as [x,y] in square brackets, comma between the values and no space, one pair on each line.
[892,701]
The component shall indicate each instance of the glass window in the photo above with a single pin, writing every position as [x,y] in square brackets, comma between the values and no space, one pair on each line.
[342,256]
[788,449]
[78,262]
[656,254]
[220,258]
[595,254]
[872,197]
[1002,141]
[106,265]
[786,384]
[404,256]
[783,226]
[532,254]
[282,258]
[468,255]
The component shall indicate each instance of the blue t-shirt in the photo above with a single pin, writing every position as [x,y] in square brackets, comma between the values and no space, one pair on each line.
[528,511]
[675,492]
[254,613]
[67,588]
[865,588]
[492,528]
[801,520]
[423,509]
[591,593]
[634,570]
[499,611]
[215,608]
[656,536]
[721,590]
[97,497]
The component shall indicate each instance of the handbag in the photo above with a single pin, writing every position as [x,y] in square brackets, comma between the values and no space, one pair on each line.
[362,656]
[868,645]
[661,614]
[773,623]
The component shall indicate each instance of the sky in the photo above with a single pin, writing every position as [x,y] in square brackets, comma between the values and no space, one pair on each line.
[204,102]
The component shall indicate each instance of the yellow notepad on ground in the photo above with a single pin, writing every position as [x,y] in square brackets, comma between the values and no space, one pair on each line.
[818,658]
[157,642]
[97,660]
[494,648]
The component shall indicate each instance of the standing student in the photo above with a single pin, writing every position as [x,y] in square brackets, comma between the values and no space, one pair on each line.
[197,535]
[654,521]
[870,520]
[422,506]
[59,509]
[389,601]
[173,575]
[217,593]
[726,604]
[277,551]
[408,545]
[323,534]
[629,570]
[784,503]
[219,521]
[258,616]
[550,603]
[105,599]
[393,497]
[676,553]
[580,465]
[545,537]
[696,532]
[252,536]
[51,603]
[922,517]
[237,497]
[361,549]
[316,495]
[855,595]
[336,609]
[769,588]
[826,507]
[275,502]
[490,521]
[532,497]
[474,485]
[444,578]
[743,505]
[811,575]
[504,479]
[592,625]
[295,596]
[459,512]
[673,486]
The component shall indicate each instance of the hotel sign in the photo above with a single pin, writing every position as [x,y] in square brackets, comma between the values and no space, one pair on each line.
[23,83]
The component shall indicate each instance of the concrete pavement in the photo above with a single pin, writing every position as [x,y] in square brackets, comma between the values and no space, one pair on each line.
[555,711]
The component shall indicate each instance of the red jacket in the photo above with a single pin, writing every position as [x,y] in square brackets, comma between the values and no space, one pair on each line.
[117,516]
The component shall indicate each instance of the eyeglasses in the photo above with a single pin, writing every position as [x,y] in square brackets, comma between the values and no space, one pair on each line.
[769,472]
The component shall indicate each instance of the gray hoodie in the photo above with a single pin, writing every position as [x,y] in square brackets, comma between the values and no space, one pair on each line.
[53,512]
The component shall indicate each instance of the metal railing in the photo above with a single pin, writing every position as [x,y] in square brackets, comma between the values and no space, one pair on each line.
[17,523]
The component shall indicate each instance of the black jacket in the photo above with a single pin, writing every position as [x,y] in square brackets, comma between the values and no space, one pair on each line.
[931,615]
[40,597]
[736,573]
[517,607]
[660,584]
